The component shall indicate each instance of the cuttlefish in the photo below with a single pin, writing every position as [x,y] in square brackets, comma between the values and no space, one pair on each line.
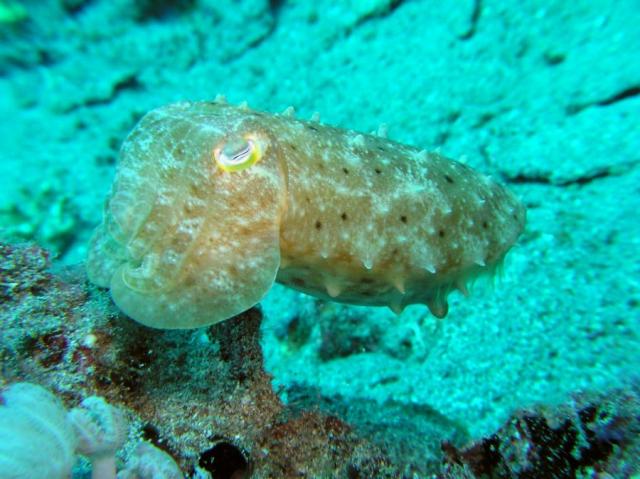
[212,203]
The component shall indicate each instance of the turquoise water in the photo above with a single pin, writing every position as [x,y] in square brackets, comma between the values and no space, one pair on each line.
[543,96]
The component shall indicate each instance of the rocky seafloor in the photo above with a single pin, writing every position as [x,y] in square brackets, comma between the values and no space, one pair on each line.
[204,398]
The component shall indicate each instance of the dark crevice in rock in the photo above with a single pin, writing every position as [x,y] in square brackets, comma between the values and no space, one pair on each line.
[376,14]
[393,6]
[261,39]
[473,21]
[227,60]
[606,172]
[150,10]
[631,92]
[543,180]
[623,95]
[522,179]
[74,7]
[275,6]
[129,82]
[254,43]
[224,460]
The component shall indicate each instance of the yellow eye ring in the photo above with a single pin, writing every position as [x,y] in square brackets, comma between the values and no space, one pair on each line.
[237,154]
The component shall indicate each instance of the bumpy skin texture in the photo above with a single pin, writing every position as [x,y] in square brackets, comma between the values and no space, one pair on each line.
[345,216]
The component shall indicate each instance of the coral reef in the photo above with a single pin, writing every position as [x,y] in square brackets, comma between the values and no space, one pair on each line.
[595,436]
[204,399]
[196,395]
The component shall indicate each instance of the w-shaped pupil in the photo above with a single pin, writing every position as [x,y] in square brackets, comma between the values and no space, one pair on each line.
[236,151]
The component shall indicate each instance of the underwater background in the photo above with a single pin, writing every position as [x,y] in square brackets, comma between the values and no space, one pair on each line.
[542,95]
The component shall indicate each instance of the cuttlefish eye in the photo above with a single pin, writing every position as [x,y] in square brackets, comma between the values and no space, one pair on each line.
[238,153]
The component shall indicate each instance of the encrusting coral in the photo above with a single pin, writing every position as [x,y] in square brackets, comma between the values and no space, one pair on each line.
[212,203]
